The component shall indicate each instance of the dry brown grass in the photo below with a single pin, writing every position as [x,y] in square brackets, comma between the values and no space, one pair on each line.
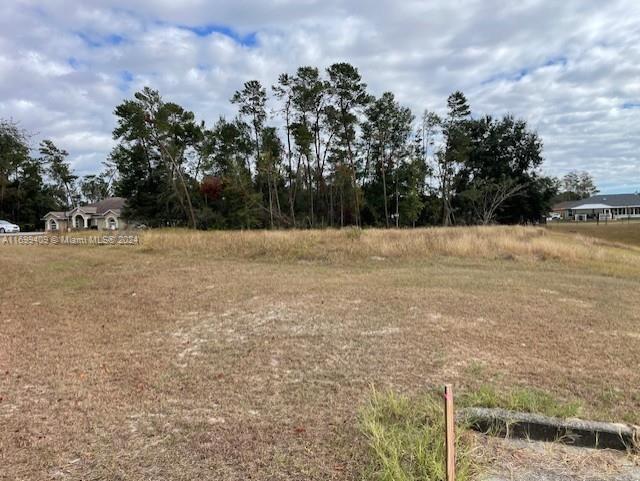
[223,355]
[526,244]
[535,461]
[621,232]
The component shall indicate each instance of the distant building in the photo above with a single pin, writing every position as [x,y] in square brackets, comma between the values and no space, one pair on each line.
[103,215]
[600,207]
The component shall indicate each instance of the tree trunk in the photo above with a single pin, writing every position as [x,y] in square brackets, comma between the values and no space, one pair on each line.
[187,195]
[275,193]
[2,190]
[341,206]
[384,191]
[310,186]
[331,206]
[397,203]
[446,217]
[270,198]
[353,171]
[292,209]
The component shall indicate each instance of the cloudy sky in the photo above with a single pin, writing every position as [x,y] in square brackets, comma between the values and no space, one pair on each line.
[571,67]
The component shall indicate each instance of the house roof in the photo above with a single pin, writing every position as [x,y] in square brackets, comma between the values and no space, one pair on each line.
[614,200]
[111,204]
[591,206]
[87,209]
[56,215]
[115,212]
[568,204]
[601,202]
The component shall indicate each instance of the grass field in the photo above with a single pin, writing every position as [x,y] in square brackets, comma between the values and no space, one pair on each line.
[625,232]
[231,355]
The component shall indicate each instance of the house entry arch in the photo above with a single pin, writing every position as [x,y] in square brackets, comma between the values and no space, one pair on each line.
[80,222]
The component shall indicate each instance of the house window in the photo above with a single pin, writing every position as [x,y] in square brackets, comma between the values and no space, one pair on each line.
[112,224]
[53,225]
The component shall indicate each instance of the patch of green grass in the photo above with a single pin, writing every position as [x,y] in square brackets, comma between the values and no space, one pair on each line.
[519,399]
[74,283]
[476,369]
[61,266]
[406,439]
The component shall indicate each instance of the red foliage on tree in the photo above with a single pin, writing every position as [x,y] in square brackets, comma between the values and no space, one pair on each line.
[211,187]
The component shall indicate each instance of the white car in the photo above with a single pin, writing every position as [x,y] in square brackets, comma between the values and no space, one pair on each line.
[7,227]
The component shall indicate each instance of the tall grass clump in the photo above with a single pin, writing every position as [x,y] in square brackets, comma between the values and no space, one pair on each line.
[406,439]
[520,399]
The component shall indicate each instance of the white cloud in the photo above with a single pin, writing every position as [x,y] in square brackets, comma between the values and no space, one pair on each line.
[569,67]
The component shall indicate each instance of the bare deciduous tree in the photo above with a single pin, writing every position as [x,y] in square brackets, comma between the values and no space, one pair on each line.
[487,197]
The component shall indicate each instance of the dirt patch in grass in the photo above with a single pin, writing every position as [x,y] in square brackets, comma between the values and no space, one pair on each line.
[180,359]
[509,459]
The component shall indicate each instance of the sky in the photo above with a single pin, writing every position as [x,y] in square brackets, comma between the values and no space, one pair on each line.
[571,68]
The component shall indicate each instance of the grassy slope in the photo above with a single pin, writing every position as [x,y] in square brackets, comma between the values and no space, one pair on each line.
[620,231]
[214,355]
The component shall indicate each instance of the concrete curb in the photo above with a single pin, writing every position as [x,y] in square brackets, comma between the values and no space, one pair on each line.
[571,431]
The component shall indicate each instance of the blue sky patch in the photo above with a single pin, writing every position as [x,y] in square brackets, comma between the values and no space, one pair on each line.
[126,77]
[560,60]
[249,40]
[510,77]
[88,40]
[97,41]
[631,105]
[523,72]
[114,39]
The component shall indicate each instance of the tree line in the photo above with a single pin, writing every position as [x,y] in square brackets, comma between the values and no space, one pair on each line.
[33,183]
[315,149]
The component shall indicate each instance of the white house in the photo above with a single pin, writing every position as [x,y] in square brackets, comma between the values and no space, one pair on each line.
[601,207]
[103,215]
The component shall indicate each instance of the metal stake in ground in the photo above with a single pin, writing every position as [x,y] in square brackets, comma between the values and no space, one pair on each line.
[450,433]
